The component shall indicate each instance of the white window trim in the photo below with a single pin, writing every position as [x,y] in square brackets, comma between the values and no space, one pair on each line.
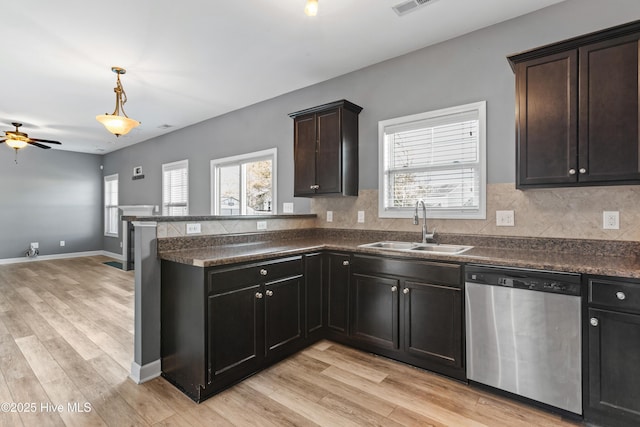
[175,165]
[110,178]
[481,213]
[257,155]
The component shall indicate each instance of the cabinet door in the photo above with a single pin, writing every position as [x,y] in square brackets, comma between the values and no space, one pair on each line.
[283,313]
[338,293]
[236,340]
[374,310]
[304,153]
[329,154]
[433,322]
[609,137]
[546,117]
[614,365]
[314,292]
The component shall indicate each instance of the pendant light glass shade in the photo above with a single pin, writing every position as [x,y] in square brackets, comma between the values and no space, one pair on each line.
[115,123]
[16,143]
[311,8]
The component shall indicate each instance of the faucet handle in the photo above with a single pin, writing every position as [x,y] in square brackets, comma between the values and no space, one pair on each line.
[430,236]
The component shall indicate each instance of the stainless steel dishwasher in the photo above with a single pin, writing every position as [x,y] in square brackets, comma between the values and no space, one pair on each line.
[523,333]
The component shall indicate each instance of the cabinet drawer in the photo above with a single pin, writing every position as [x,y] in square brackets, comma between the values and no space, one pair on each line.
[615,294]
[222,279]
[433,272]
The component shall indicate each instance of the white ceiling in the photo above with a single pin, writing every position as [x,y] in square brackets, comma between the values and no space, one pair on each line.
[191,60]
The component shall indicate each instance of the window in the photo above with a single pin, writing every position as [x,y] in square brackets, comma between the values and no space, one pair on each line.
[175,188]
[438,157]
[111,217]
[244,184]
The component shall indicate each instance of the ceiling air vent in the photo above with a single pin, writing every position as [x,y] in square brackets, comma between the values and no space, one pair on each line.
[410,6]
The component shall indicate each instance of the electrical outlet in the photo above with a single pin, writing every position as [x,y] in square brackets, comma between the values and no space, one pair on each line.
[361,216]
[505,218]
[34,245]
[611,220]
[194,228]
[287,207]
[329,216]
[156,208]
[62,242]
[261,225]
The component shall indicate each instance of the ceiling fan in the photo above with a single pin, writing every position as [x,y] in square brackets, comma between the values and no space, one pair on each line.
[17,140]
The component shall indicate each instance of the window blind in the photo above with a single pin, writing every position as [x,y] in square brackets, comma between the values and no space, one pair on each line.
[175,188]
[436,160]
[111,216]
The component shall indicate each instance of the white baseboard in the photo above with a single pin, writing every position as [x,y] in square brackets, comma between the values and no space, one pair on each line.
[61,256]
[141,374]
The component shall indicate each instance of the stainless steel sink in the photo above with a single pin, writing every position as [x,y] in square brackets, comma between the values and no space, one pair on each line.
[396,246]
[447,249]
[418,247]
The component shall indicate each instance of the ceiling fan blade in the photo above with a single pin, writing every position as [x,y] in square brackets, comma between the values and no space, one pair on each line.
[48,141]
[39,145]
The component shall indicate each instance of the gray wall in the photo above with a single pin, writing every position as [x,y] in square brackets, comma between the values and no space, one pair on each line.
[50,195]
[467,69]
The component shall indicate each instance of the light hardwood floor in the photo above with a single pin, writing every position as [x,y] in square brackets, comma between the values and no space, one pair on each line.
[66,337]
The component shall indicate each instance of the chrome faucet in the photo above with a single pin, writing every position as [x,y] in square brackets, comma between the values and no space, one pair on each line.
[425,234]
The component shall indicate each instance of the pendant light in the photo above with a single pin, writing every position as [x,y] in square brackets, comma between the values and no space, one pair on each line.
[311,8]
[115,123]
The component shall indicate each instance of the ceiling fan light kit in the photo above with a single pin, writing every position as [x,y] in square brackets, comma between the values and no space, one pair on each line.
[17,140]
[311,8]
[115,123]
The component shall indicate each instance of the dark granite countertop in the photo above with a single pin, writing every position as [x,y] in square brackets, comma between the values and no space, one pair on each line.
[590,257]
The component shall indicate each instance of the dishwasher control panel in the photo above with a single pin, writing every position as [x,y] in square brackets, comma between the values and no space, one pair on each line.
[535,280]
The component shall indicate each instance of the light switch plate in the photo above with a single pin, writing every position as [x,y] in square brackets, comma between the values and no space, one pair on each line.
[287,207]
[610,220]
[505,218]
[361,216]
[261,225]
[329,216]
[194,228]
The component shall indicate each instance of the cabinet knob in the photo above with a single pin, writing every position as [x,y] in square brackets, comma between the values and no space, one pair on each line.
[269,292]
[394,288]
[621,296]
[259,295]
[405,291]
[572,171]
[583,170]
[263,272]
[345,262]
[593,321]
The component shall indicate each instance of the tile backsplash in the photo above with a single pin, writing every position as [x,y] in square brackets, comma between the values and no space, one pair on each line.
[575,213]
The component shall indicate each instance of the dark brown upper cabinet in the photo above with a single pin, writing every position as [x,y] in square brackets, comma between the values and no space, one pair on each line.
[577,111]
[326,150]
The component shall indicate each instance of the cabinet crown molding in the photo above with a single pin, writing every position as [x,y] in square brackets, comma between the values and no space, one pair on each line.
[574,43]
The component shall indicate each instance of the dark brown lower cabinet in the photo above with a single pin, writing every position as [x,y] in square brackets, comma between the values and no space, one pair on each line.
[220,325]
[253,317]
[433,323]
[409,311]
[374,311]
[315,294]
[613,373]
[283,313]
[337,273]
[235,341]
